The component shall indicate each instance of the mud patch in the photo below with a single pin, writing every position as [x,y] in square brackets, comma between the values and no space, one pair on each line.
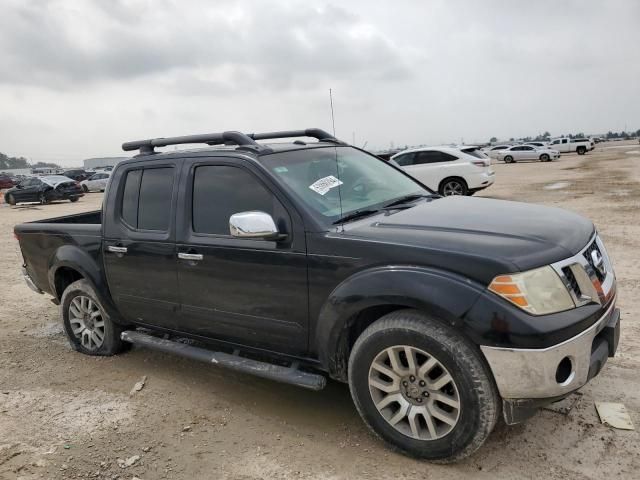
[56,416]
[556,186]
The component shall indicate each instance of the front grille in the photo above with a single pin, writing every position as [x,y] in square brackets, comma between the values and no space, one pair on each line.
[588,256]
[573,283]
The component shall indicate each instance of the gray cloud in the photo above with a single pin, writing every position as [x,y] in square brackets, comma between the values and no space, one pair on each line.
[60,44]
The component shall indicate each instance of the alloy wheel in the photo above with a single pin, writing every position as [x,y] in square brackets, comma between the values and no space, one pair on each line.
[414,392]
[87,324]
[452,188]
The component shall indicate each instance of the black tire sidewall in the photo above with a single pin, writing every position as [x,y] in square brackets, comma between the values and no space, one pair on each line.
[508,159]
[544,157]
[112,342]
[454,441]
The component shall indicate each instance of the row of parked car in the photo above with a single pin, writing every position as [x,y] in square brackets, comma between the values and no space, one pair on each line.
[464,170]
[47,188]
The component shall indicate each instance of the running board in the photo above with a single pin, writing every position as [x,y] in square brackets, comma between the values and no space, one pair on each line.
[291,375]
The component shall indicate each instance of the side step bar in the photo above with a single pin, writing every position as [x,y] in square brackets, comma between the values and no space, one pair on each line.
[291,375]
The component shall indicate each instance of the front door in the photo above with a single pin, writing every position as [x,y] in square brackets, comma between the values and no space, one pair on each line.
[139,245]
[251,292]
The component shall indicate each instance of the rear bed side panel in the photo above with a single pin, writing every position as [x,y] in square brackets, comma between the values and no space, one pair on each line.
[47,247]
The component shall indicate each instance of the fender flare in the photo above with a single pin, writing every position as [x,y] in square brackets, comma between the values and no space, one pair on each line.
[71,256]
[444,294]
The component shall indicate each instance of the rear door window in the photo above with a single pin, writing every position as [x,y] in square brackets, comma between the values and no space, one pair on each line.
[405,160]
[146,200]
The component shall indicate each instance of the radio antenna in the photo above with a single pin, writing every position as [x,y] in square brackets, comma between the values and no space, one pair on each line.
[333,119]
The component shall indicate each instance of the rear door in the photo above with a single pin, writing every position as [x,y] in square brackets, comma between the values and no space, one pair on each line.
[139,243]
[528,152]
[247,291]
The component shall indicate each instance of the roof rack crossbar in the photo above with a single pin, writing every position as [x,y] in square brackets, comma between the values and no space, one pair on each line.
[243,140]
[316,133]
[232,138]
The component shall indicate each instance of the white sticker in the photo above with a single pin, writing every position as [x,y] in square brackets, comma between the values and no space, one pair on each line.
[325,184]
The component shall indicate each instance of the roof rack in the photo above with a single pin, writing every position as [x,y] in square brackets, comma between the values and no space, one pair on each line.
[244,141]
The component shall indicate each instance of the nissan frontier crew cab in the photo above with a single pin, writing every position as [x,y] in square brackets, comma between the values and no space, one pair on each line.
[310,260]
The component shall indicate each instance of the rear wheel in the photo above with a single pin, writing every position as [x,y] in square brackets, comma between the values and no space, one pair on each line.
[11,199]
[85,188]
[509,159]
[581,150]
[453,186]
[422,387]
[73,199]
[89,328]
[544,157]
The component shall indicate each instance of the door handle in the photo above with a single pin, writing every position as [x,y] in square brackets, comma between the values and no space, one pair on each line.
[194,257]
[114,249]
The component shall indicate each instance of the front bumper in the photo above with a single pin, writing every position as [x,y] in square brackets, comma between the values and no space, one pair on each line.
[555,371]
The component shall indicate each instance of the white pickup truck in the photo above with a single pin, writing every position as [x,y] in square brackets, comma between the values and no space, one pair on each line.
[578,145]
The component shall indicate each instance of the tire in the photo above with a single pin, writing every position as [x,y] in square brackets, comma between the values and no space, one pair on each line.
[471,385]
[509,159]
[85,188]
[73,199]
[77,301]
[42,198]
[581,150]
[10,199]
[453,186]
[545,158]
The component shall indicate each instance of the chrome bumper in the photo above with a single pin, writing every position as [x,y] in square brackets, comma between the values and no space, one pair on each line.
[29,281]
[531,373]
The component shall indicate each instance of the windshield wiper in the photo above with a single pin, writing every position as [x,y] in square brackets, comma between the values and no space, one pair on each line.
[407,199]
[356,214]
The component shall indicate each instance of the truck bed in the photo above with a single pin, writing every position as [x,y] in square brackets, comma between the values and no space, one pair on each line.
[41,240]
[91,218]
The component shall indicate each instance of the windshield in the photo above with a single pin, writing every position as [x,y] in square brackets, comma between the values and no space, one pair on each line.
[338,181]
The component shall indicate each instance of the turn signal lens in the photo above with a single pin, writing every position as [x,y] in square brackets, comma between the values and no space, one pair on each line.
[538,291]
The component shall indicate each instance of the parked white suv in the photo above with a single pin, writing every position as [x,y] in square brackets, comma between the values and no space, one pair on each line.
[448,170]
[527,152]
[578,145]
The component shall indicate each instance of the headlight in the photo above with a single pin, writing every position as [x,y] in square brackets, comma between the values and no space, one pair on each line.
[538,291]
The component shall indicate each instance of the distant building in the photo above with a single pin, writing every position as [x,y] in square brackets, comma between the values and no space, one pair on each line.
[91,163]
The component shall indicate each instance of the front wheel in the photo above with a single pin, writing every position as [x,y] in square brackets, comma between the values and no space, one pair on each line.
[509,159]
[85,188]
[544,157]
[88,326]
[42,198]
[73,199]
[581,150]
[11,199]
[422,387]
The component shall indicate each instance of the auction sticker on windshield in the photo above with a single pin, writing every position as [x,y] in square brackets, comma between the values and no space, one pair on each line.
[325,184]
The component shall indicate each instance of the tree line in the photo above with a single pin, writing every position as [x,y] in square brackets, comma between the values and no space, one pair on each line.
[9,163]
[546,136]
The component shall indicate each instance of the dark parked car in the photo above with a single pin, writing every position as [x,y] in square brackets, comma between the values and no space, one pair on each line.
[298,261]
[44,190]
[78,175]
[6,182]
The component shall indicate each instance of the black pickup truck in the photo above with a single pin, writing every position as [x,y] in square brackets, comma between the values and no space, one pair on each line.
[305,260]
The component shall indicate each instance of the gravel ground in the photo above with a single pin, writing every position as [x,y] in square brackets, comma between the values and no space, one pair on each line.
[64,415]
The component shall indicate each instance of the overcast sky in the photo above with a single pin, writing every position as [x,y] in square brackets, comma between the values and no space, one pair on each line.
[80,77]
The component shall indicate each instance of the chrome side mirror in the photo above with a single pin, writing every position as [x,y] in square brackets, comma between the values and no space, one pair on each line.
[256,225]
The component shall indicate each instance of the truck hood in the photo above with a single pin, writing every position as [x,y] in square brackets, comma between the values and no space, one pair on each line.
[511,235]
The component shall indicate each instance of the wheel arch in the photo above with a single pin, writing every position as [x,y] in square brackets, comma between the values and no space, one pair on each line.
[71,263]
[363,298]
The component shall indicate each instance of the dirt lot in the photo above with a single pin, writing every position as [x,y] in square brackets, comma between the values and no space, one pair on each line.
[63,415]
